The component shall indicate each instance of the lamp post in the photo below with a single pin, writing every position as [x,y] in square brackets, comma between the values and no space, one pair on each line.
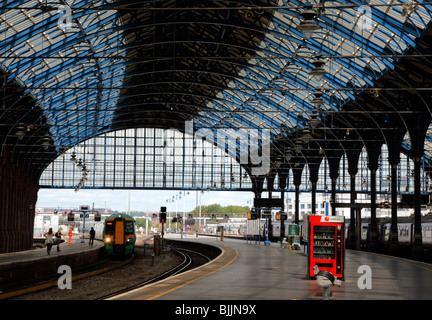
[169,215]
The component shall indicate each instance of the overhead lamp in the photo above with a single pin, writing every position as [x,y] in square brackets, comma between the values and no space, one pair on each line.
[46,143]
[314,121]
[306,136]
[318,71]
[298,145]
[73,158]
[278,162]
[20,132]
[288,155]
[317,101]
[308,26]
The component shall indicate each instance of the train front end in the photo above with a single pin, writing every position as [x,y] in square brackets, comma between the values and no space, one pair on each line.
[119,235]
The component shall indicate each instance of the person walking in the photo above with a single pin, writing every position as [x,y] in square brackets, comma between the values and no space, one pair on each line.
[92,236]
[49,240]
[58,237]
[70,235]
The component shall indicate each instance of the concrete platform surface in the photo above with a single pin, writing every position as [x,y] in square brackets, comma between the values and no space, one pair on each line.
[258,272]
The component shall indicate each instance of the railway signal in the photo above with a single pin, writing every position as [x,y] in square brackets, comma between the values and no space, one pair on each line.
[162,219]
[162,215]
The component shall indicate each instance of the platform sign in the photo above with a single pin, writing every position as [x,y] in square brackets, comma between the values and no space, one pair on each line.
[266,213]
[293,230]
[268,203]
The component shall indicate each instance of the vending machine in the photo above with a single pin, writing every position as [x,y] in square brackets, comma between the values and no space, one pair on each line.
[326,244]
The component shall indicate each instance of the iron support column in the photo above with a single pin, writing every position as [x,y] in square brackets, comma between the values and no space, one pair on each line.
[333,195]
[372,239]
[297,203]
[394,242]
[353,196]
[313,196]
[417,249]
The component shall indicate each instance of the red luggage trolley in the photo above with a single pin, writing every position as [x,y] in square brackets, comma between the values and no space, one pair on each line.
[326,244]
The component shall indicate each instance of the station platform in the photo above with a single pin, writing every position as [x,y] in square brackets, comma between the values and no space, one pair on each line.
[23,269]
[246,271]
[41,253]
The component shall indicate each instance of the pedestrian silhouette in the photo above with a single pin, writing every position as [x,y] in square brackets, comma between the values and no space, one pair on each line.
[92,236]
[49,240]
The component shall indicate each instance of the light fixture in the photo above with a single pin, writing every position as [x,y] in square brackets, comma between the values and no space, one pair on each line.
[288,155]
[318,71]
[73,158]
[45,143]
[317,101]
[308,26]
[375,92]
[20,132]
[314,121]
[278,162]
[306,137]
[298,145]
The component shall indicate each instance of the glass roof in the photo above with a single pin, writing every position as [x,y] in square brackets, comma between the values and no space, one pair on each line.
[76,73]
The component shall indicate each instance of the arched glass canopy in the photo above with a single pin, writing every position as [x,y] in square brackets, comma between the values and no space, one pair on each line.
[95,67]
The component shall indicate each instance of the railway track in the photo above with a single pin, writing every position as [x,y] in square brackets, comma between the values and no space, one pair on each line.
[189,262]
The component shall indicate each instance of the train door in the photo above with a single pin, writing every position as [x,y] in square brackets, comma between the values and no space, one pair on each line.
[119,232]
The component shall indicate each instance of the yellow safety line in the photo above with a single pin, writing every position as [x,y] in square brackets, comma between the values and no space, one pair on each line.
[54,283]
[193,280]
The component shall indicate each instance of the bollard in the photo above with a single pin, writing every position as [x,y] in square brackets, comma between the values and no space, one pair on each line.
[157,245]
[325,280]
[284,243]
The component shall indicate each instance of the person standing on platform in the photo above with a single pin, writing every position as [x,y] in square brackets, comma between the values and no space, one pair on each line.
[49,240]
[58,237]
[92,236]
[70,235]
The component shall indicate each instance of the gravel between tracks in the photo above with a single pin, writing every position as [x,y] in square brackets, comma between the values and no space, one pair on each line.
[90,288]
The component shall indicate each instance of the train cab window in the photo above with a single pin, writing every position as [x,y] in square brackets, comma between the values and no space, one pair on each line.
[109,228]
[129,228]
